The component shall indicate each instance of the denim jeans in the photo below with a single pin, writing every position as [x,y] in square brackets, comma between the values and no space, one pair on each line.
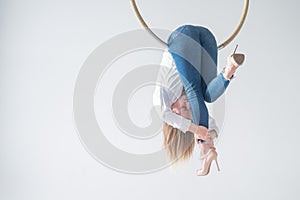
[194,50]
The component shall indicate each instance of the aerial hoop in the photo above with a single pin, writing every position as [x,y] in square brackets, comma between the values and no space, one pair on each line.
[221,46]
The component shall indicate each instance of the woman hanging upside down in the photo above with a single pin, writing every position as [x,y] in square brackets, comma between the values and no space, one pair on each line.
[187,79]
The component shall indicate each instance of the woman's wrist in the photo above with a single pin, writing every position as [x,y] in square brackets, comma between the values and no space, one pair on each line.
[200,131]
[193,128]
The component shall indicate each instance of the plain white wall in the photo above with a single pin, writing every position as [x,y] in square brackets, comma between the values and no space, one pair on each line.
[42,47]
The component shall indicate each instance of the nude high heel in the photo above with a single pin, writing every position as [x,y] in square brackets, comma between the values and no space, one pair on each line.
[206,162]
[233,62]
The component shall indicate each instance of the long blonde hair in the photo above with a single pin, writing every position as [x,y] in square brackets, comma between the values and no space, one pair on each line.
[178,145]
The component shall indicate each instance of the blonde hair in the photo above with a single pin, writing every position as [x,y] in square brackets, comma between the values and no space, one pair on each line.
[178,145]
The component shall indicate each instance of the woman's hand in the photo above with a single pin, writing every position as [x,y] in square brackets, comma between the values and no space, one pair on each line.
[200,131]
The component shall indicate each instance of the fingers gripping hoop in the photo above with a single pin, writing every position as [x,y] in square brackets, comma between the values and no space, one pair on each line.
[221,46]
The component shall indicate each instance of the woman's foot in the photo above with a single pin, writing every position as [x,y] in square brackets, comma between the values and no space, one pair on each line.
[233,62]
[206,162]
[207,148]
[207,144]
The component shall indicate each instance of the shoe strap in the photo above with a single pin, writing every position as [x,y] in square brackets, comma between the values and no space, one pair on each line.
[204,156]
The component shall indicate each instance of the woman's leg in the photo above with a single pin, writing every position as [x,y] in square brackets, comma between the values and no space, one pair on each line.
[213,85]
[184,45]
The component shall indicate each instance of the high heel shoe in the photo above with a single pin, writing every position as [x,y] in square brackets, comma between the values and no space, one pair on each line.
[237,58]
[206,162]
[233,62]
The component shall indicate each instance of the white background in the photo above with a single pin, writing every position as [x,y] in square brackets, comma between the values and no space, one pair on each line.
[42,47]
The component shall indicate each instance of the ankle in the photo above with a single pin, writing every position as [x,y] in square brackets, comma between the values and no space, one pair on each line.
[228,74]
[231,67]
[205,149]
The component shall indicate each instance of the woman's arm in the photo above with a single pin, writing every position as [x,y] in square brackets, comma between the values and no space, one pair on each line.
[177,121]
[162,101]
[200,131]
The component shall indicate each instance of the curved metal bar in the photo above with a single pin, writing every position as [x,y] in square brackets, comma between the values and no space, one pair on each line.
[221,46]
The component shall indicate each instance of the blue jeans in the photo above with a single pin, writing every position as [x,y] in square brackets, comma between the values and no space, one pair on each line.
[195,52]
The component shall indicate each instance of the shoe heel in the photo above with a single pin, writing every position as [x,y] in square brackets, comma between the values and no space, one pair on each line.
[236,46]
[217,164]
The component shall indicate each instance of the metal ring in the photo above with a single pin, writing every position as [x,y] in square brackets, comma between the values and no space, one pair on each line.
[221,46]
